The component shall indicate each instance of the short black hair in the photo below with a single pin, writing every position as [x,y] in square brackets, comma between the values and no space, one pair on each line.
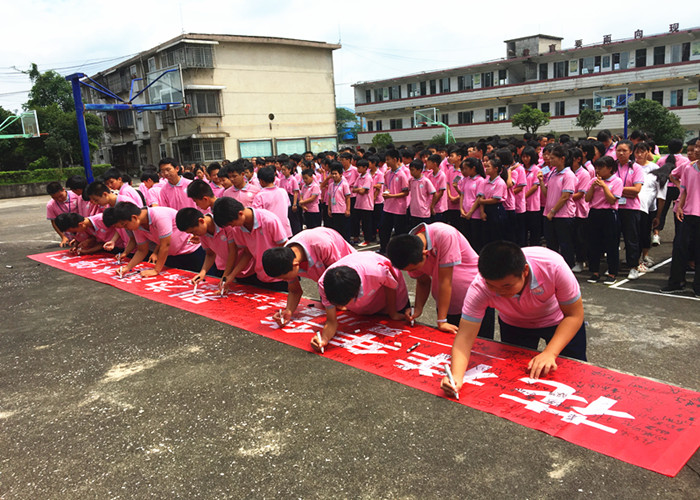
[168,161]
[392,153]
[341,284]
[436,158]
[108,217]
[404,250]
[76,182]
[96,188]
[226,210]
[187,217]
[64,221]
[149,175]
[198,189]
[499,259]
[362,163]
[112,173]
[267,175]
[606,161]
[53,188]
[336,166]
[125,210]
[278,261]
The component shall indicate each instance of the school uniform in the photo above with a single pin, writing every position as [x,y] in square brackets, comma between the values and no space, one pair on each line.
[377,179]
[493,188]
[102,233]
[533,216]
[519,179]
[686,245]
[603,234]
[175,196]
[629,212]
[54,208]
[275,200]
[322,247]
[245,195]
[364,204]
[311,211]
[422,191]
[350,175]
[580,229]
[218,243]
[472,228]
[439,182]
[559,231]
[337,193]
[290,185]
[129,193]
[452,214]
[394,216]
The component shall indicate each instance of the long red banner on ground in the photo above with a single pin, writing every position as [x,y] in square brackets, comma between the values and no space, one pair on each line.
[634,419]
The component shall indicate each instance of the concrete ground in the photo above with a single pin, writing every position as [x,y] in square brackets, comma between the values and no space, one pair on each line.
[104,394]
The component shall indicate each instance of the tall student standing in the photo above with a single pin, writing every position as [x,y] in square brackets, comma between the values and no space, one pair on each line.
[632,177]
[339,201]
[559,208]
[533,216]
[395,192]
[490,198]
[469,186]
[422,194]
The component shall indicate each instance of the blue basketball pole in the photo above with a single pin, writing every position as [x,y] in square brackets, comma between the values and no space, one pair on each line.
[82,129]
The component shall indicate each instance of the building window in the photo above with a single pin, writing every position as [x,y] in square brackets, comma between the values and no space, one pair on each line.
[205,103]
[378,95]
[640,58]
[559,108]
[544,107]
[396,123]
[208,150]
[370,126]
[250,149]
[189,56]
[502,115]
[640,95]
[543,71]
[368,95]
[620,60]
[433,87]
[585,104]
[379,125]
[561,69]
[680,52]
[502,77]
[489,115]
[658,96]
[465,117]
[465,82]
[590,65]
[412,90]
[487,79]
[163,150]
[445,84]
[606,61]
[423,90]
[395,92]
[676,98]
[659,55]
[445,118]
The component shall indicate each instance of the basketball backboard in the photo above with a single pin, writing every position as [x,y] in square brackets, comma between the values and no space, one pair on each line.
[30,123]
[166,86]
[607,101]
[425,117]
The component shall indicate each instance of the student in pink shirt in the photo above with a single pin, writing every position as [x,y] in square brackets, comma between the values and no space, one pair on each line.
[453,176]
[350,174]
[150,188]
[378,183]
[444,264]
[201,193]
[339,200]
[216,241]
[471,211]
[273,198]
[255,230]
[307,254]
[519,180]
[214,181]
[309,199]
[512,179]
[490,198]
[536,296]
[365,283]
[173,194]
[422,194]
[289,183]
[90,232]
[580,229]
[241,189]
[437,177]
[629,212]
[113,179]
[364,200]
[61,201]
[602,196]
[77,184]
[533,215]
[559,207]
[395,192]
[157,225]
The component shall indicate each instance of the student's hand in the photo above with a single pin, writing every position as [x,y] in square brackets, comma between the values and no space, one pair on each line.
[679,214]
[483,215]
[198,277]
[295,208]
[122,270]
[463,214]
[449,389]
[153,259]
[147,273]
[347,213]
[395,315]
[284,318]
[542,364]
[655,222]
[447,327]
[109,246]
[550,215]
[540,176]
[64,241]
[316,344]
[224,285]
[193,239]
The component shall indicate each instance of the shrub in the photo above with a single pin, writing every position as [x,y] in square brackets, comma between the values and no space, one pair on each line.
[46,174]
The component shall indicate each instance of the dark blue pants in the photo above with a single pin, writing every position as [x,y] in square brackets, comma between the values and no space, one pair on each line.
[559,233]
[630,222]
[530,337]
[603,237]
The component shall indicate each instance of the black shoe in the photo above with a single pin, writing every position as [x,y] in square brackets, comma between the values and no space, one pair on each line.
[595,278]
[609,279]
[672,289]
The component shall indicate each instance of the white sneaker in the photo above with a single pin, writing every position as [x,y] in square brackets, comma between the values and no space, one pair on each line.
[642,268]
[648,261]
[655,240]
[577,268]
[634,274]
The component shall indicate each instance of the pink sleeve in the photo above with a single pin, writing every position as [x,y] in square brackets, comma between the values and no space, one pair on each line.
[51,210]
[500,190]
[448,249]
[521,179]
[279,234]
[566,287]
[346,188]
[387,278]
[257,201]
[615,187]
[569,184]
[162,224]
[476,301]
[638,177]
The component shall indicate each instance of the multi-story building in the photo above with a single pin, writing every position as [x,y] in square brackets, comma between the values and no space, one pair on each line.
[242,96]
[479,100]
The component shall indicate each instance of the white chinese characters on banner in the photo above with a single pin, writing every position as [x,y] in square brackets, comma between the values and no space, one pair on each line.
[361,344]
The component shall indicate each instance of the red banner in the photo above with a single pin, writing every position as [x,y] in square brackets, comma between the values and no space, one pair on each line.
[634,419]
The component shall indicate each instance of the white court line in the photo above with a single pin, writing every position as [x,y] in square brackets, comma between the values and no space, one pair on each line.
[659,293]
[654,268]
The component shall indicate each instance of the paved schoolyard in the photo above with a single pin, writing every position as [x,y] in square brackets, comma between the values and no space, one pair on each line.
[104,394]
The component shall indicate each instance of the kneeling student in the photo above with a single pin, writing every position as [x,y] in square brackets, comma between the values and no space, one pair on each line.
[363,283]
[536,295]
[307,254]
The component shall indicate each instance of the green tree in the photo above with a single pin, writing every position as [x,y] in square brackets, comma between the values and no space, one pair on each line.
[382,140]
[655,119]
[49,88]
[344,119]
[440,139]
[530,119]
[588,119]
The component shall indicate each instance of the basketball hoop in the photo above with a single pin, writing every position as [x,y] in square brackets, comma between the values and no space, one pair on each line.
[609,108]
[186,108]
[423,124]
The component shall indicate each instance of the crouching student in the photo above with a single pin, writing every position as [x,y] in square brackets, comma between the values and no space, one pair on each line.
[363,283]
[307,254]
[62,201]
[216,241]
[536,295]
[157,225]
[443,262]
[255,230]
[91,233]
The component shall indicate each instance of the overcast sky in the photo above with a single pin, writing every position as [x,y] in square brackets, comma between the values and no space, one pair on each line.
[380,38]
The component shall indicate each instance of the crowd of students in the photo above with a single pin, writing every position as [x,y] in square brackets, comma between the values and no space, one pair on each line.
[269,221]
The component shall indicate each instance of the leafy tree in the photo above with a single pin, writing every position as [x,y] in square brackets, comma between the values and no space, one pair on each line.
[49,88]
[343,120]
[655,119]
[588,119]
[440,139]
[382,140]
[530,119]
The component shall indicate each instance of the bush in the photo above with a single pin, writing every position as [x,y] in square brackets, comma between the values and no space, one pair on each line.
[382,140]
[47,174]
[41,163]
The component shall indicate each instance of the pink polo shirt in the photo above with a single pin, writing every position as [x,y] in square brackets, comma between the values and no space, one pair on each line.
[493,188]
[561,182]
[470,188]
[630,175]
[690,183]
[453,177]
[53,208]
[267,232]
[591,169]
[447,247]
[245,195]
[351,175]
[376,272]
[439,182]
[103,233]
[598,200]
[161,224]
[218,243]
[550,285]
[336,196]
[289,184]
[322,247]
[583,179]
[218,190]
[176,196]
[378,178]
[129,193]
[422,191]
[364,201]
[519,180]
[532,202]
[86,208]
[395,182]
[681,163]
[546,174]
[309,190]
[275,200]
